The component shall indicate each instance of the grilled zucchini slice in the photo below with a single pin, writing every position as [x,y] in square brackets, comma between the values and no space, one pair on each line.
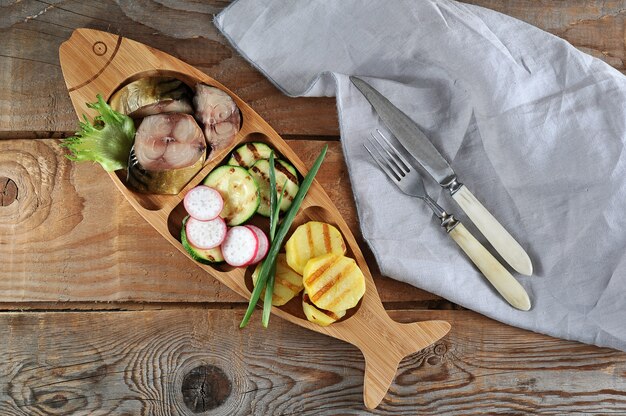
[335,283]
[239,191]
[248,154]
[313,239]
[285,175]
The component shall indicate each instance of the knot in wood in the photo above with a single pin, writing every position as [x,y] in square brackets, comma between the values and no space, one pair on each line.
[205,387]
[56,402]
[440,349]
[8,191]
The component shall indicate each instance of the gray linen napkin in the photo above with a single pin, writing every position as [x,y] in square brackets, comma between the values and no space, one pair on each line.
[534,127]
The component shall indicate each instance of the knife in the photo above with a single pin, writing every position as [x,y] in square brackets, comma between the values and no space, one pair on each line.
[421,148]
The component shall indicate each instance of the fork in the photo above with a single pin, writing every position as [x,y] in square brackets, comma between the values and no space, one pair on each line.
[401,173]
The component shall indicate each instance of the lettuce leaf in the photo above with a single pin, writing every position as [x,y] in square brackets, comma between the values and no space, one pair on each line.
[107,140]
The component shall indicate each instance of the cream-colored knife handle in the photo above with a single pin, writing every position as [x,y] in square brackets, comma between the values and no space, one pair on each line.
[498,276]
[500,239]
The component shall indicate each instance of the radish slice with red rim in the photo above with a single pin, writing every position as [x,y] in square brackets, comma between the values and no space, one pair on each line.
[264,243]
[203,203]
[205,234]
[240,246]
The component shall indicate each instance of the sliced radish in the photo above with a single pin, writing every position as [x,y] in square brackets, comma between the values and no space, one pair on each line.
[205,234]
[240,246]
[203,203]
[264,243]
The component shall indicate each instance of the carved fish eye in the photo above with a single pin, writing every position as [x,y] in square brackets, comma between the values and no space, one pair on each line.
[99,48]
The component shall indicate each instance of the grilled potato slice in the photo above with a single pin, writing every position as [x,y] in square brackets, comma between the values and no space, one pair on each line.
[319,316]
[287,283]
[310,240]
[333,282]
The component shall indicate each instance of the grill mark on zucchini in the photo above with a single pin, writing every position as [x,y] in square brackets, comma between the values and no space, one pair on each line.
[255,152]
[258,171]
[287,196]
[247,154]
[286,172]
[238,158]
[264,198]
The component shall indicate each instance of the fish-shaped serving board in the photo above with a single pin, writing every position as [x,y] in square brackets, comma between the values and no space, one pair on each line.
[96,62]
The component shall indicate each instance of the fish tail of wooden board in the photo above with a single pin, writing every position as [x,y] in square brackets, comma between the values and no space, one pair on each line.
[397,341]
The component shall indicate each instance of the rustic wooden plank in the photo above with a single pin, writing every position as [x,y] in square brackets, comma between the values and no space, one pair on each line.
[170,362]
[595,27]
[141,362]
[33,96]
[31,82]
[71,236]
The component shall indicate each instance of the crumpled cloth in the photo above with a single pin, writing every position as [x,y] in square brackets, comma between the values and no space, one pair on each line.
[534,127]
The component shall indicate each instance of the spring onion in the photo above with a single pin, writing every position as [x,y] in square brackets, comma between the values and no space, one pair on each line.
[270,260]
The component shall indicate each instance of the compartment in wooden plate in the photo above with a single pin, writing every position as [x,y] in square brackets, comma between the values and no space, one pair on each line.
[312,213]
[155,202]
[178,213]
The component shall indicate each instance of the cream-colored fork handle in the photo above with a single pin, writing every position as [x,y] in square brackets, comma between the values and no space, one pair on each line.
[500,239]
[498,276]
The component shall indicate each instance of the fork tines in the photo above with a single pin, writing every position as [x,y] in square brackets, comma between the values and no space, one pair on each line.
[387,157]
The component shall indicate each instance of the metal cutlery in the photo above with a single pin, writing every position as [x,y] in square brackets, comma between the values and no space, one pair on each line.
[401,173]
[421,148]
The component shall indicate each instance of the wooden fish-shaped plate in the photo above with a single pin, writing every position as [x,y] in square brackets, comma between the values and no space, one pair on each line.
[96,62]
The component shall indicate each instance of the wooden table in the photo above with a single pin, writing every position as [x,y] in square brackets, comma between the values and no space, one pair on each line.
[100,315]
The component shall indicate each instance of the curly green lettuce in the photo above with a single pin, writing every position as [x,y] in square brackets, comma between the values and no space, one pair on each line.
[107,140]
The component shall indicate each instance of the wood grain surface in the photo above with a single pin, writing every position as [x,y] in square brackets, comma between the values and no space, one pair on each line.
[98,315]
[170,362]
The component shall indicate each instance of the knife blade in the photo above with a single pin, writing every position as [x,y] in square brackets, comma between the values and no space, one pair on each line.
[427,155]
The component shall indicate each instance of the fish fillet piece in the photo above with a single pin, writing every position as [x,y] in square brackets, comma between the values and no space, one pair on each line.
[169,150]
[219,115]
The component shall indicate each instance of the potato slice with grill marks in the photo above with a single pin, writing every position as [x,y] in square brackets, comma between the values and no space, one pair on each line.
[313,239]
[287,283]
[319,316]
[335,283]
